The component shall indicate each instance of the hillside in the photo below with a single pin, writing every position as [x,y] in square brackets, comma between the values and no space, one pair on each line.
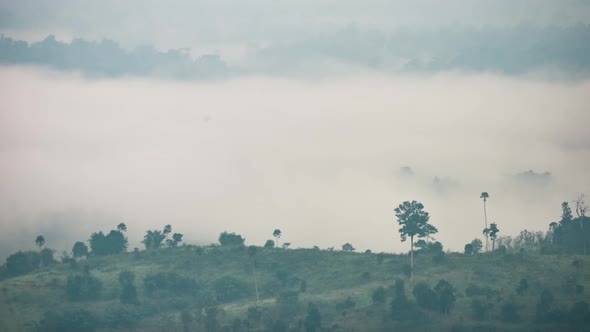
[192,288]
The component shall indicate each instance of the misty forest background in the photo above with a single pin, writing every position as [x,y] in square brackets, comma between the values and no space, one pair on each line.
[294,165]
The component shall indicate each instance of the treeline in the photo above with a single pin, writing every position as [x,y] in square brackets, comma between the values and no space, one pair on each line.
[107,59]
[509,50]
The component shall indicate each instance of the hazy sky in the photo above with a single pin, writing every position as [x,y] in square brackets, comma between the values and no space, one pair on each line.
[318,156]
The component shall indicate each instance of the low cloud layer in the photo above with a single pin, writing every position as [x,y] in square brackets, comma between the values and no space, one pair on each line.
[325,161]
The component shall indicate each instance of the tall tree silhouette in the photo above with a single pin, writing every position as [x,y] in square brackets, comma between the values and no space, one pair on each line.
[484,195]
[414,223]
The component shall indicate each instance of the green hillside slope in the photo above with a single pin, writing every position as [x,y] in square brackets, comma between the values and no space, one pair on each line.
[193,288]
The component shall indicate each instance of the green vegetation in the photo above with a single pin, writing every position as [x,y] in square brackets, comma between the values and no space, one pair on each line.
[533,281]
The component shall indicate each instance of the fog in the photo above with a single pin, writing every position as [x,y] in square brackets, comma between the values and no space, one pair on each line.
[326,161]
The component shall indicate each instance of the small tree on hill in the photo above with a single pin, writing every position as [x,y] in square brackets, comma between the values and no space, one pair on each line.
[348,247]
[47,256]
[153,239]
[167,229]
[176,239]
[414,223]
[492,233]
[122,227]
[113,243]
[277,234]
[477,246]
[231,239]
[269,244]
[79,250]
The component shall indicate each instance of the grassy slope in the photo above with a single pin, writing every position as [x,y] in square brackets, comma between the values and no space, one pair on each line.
[331,278]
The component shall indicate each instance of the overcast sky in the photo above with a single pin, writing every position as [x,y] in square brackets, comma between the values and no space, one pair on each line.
[265,120]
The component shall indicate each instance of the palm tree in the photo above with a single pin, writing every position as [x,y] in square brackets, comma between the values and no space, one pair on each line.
[40,241]
[485,197]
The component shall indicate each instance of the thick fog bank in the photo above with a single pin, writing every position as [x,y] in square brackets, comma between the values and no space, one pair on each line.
[325,161]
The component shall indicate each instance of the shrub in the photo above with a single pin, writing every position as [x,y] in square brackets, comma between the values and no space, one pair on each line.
[571,286]
[254,315]
[68,321]
[545,305]
[425,296]
[380,257]
[522,286]
[121,317]
[231,239]
[83,287]
[475,290]
[510,312]
[113,243]
[445,296]
[349,303]
[378,295]
[313,320]
[47,258]
[348,247]
[282,276]
[303,286]
[230,288]
[439,257]
[169,281]
[269,244]
[479,309]
[22,262]
[401,308]
[579,313]
[211,322]
[129,294]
